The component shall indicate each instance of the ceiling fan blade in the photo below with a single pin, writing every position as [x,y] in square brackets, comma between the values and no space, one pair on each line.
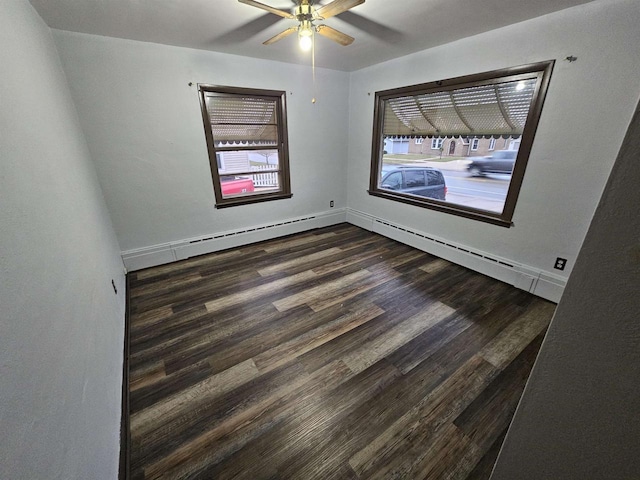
[281,35]
[336,7]
[335,35]
[262,6]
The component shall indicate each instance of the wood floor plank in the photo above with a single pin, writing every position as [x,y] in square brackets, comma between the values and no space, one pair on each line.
[306,342]
[163,388]
[287,444]
[435,265]
[262,290]
[421,424]
[143,377]
[501,351]
[218,415]
[319,291]
[331,354]
[312,257]
[484,467]
[371,352]
[206,452]
[206,390]
[490,413]
[361,426]
[354,339]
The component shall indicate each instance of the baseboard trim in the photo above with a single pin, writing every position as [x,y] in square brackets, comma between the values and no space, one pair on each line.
[538,282]
[125,434]
[542,283]
[170,252]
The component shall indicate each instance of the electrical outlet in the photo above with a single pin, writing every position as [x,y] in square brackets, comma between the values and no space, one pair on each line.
[331,203]
[113,284]
[560,263]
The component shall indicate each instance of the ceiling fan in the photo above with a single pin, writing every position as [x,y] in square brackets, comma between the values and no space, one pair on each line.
[306,13]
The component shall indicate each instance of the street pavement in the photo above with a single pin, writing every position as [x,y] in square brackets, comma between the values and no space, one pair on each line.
[486,193]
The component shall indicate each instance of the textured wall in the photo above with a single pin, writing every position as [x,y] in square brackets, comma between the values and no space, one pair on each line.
[579,417]
[61,325]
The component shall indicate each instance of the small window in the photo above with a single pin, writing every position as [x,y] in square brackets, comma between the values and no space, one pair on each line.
[435,178]
[393,181]
[419,141]
[414,178]
[476,110]
[246,132]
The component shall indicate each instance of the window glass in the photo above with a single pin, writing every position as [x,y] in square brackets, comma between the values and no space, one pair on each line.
[393,181]
[498,109]
[414,178]
[435,178]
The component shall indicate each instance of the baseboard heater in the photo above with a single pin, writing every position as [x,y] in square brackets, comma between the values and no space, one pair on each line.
[138,259]
[541,283]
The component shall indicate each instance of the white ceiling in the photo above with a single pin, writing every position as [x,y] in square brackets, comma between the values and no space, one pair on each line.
[383,29]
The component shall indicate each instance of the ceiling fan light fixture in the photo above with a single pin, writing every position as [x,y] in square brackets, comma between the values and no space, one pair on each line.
[305,35]
[305,42]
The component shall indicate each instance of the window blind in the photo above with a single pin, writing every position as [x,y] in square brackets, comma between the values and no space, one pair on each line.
[243,119]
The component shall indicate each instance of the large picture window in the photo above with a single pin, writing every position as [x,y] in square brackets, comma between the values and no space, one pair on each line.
[490,120]
[246,132]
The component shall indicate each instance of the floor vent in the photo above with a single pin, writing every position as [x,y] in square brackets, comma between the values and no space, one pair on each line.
[441,242]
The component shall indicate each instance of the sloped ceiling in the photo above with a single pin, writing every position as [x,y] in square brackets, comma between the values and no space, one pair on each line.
[383,29]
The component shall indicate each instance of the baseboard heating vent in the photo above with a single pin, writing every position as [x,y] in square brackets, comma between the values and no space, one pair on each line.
[441,242]
[543,283]
[179,250]
[249,230]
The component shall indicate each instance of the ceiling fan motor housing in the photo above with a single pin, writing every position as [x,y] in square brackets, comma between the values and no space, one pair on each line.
[304,12]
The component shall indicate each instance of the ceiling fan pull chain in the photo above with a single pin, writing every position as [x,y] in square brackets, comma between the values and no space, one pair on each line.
[313,66]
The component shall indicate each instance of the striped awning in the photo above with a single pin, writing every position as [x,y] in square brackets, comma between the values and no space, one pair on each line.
[499,109]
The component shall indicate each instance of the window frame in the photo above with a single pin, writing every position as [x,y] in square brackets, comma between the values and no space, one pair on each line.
[436,143]
[279,96]
[541,69]
[475,144]
[492,143]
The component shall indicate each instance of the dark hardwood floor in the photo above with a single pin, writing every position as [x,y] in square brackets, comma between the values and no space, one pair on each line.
[333,354]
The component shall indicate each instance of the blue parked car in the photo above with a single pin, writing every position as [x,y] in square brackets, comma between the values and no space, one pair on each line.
[421,181]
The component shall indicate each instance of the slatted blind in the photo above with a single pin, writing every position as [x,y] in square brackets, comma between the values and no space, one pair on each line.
[243,119]
[486,110]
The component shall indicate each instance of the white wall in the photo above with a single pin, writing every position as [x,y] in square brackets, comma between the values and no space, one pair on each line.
[61,325]
[579,417]
[588,106]
[145,132]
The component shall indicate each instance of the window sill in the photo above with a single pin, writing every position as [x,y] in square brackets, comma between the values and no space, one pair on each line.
[234,202]
[452,209]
